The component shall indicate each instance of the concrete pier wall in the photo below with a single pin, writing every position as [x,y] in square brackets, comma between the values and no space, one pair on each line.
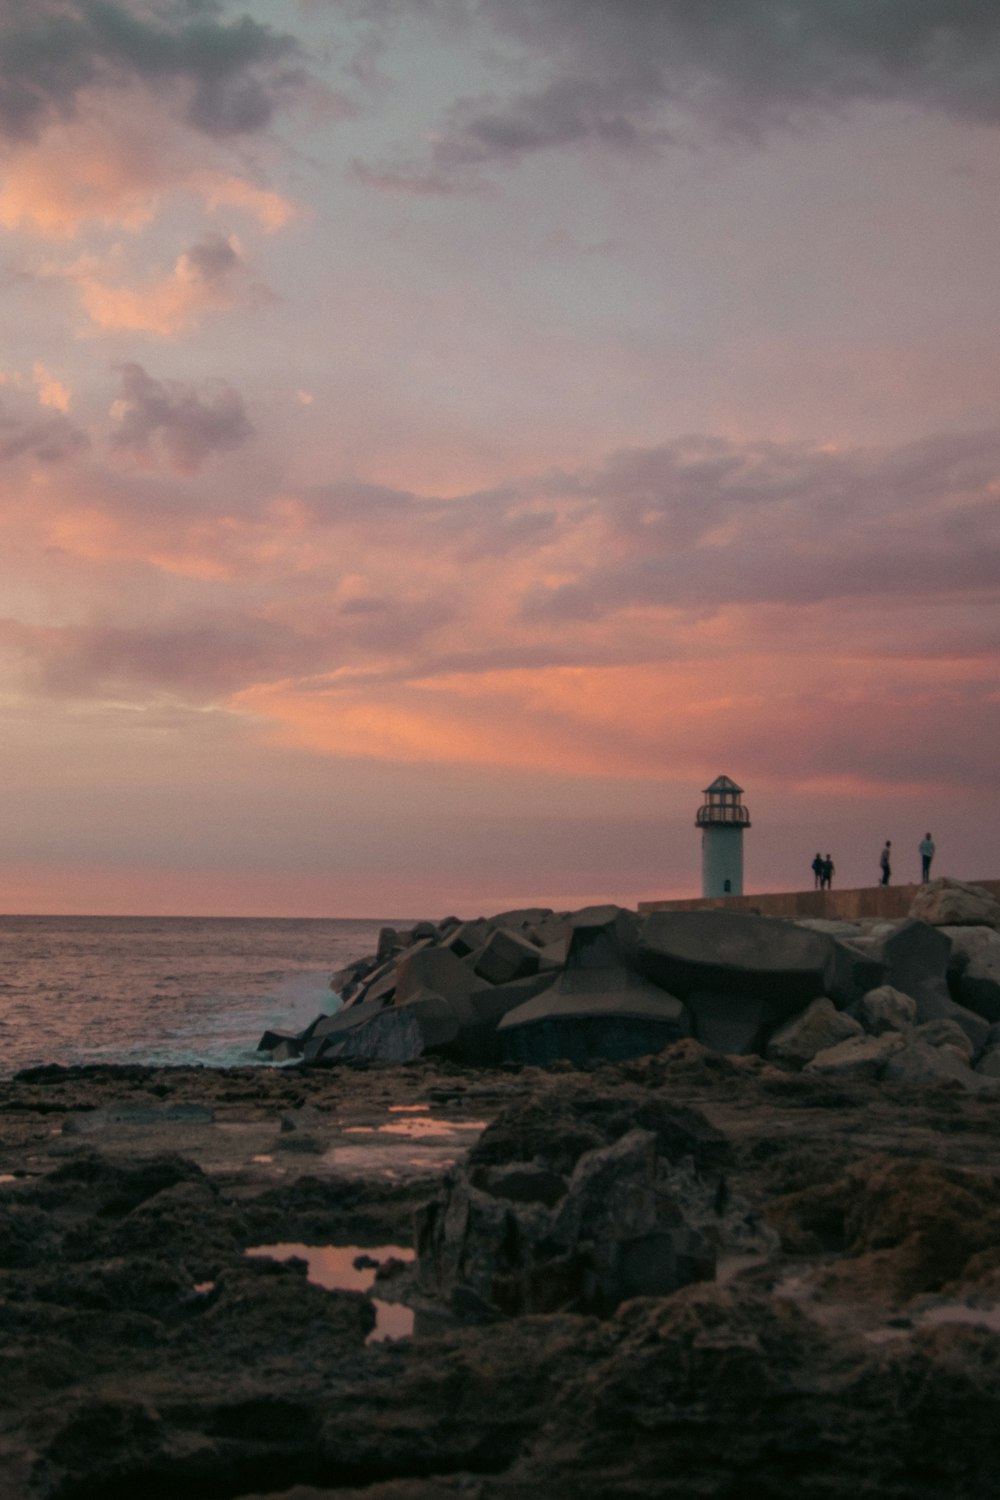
[889,901]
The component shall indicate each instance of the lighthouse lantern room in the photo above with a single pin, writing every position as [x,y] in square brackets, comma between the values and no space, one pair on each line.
[722,819]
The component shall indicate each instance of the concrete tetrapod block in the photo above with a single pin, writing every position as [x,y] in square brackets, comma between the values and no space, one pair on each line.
[915,955]
[736,1024]
[721,951]
[610,1013]
[602,937]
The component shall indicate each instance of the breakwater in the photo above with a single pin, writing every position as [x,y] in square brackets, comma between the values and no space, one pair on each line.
[889,902]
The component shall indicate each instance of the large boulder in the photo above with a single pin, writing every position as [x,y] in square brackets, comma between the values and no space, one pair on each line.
[921,1063]
[953,903]
[723,952]
[886,1009]
[819,1026]
[857,1057]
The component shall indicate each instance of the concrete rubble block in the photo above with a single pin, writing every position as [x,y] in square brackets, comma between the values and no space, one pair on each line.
[552,957]
[886,1009]
[953,903]
[554,929]
[945,1032]
[719,951]
[436,1018]
[380,985]
[440,971]
[974,969]
[346,1019]
[523,916]
[272,1039]
[389,943]
[348,981]
[392,1035]
[287,1051]
[491,1002]
[920,1063]
[856,968]
[587,1015]
[507,955]
[858,1056]
[819,1026]
[602,937]
[467,937]
[426,932]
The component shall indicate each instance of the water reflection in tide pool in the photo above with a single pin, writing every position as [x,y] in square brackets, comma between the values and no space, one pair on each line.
[332,1267]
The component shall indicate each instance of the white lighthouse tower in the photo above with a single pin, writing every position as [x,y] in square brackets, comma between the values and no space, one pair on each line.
[722,819]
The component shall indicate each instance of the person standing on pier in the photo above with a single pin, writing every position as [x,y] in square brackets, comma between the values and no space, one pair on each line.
[817,869]
[826,883]
[926,855]
[885,862]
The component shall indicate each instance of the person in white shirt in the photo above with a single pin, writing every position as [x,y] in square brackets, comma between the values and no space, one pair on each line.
[926,855]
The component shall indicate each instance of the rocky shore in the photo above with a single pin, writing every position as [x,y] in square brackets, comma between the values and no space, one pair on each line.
[746,1263]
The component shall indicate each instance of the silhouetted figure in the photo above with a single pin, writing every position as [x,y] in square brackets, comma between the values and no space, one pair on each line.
[828,871]
[817,869]
[926,855]
[885,862]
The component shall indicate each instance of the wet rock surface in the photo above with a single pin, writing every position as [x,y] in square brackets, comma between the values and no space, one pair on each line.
[840,1335]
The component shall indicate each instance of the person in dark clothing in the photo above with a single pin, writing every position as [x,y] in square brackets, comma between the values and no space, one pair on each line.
[827,881]
[817,869]
[885,862]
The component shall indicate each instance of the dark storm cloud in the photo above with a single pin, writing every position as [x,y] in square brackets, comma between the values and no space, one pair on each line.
[187,424]
[234,72]
[633,74]
[50,437]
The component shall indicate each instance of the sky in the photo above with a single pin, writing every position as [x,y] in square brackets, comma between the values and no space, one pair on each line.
[439,437]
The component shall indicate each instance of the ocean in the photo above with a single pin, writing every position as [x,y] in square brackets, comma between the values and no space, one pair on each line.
[164,990]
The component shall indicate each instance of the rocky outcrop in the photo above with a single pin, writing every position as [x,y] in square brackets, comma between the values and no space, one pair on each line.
[836,1331]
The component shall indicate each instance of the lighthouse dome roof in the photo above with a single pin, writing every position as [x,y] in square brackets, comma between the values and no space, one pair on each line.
[723,784]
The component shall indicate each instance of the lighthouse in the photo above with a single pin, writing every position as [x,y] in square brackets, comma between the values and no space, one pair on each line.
[722,819]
